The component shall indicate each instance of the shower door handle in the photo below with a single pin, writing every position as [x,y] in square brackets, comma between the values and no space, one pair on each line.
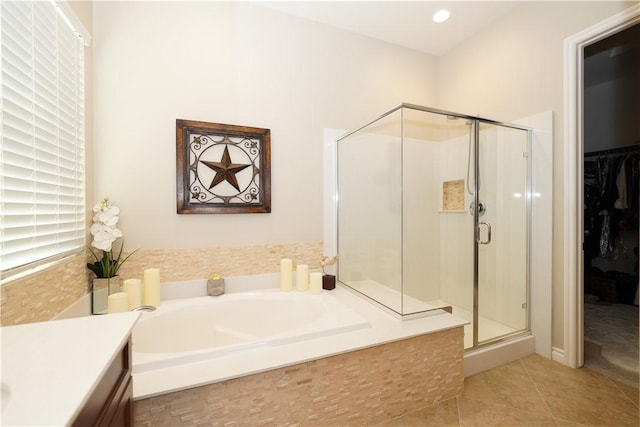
[484,242]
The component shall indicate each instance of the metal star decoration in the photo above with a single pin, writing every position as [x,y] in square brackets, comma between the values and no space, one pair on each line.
[222,169]
[225,170]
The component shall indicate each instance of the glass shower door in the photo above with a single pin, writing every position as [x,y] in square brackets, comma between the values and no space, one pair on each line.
[501,218]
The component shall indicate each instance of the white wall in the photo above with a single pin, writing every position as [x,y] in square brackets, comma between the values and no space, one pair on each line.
[234,63]
[515,69]
[239,63]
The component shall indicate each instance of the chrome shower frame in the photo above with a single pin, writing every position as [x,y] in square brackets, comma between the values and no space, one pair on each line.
[475,128]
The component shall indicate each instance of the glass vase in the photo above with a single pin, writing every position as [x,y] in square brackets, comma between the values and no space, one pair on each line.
[100,290]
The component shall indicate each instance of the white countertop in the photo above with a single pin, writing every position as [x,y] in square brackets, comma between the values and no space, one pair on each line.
[49,369]
[384,328]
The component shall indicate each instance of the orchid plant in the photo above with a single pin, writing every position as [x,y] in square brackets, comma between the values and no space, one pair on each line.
[105,233]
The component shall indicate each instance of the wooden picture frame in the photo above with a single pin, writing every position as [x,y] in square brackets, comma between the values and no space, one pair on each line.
[222,169]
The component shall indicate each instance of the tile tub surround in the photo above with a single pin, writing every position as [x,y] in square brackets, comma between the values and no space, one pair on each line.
[392,366]
[362,387]
[190,263]
[43,295]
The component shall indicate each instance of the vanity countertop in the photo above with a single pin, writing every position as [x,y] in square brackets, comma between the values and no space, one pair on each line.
[49,369]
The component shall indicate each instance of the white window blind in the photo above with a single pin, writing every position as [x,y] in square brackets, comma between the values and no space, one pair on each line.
[42,176]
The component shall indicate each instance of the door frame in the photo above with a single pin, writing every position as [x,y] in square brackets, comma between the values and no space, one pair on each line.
[573,353]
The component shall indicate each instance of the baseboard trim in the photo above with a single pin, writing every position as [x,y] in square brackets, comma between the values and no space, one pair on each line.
[557,354]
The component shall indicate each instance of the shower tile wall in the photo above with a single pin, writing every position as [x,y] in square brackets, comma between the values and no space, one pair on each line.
[502,275]
[422,188]
[371,200]
[456,229]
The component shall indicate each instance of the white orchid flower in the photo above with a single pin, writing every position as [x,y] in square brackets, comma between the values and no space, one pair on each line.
[103,245]
[95,228]
[106,218]
[103,228]
[115,232]
[105,233]
[103,240]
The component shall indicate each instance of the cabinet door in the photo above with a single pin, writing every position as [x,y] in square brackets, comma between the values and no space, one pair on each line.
[110,404]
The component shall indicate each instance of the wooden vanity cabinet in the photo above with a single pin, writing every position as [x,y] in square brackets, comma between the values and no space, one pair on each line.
[111,403]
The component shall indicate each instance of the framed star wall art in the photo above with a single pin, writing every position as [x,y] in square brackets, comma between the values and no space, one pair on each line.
[222,168]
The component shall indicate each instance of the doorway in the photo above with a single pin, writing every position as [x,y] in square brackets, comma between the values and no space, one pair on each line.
[572,352]
[611,147]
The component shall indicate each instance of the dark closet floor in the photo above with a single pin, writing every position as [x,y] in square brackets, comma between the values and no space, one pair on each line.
[611,340]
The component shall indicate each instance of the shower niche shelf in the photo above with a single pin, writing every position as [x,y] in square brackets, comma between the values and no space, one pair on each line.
[453,196]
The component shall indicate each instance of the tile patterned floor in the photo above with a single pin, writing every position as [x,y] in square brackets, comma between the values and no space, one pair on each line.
[533,391]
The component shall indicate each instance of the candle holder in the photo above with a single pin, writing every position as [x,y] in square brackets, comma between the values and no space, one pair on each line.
[328,280]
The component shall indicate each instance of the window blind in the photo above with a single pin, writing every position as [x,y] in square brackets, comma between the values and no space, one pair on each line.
[42,175]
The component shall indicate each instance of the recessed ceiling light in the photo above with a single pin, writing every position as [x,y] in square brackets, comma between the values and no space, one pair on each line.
[441,16]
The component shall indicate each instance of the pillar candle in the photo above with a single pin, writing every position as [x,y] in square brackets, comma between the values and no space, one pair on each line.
[152,287]
[286,274]
[133,289]
[302,277]
[117,303]
[315,286]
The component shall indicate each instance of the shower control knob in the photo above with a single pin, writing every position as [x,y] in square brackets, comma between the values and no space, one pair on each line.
[481,208]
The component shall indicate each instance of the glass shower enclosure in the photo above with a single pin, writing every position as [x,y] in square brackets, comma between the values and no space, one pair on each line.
[433,213]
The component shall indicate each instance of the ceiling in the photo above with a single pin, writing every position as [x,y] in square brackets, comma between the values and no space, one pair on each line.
[404,23]
[409,24]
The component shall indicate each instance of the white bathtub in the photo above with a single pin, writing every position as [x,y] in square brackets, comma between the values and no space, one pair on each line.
[174,347]
[195,329]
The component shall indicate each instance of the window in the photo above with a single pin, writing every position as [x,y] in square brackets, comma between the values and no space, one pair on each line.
[42,175]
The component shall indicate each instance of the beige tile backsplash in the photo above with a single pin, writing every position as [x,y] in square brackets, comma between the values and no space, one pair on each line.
[43,295]
[186,264]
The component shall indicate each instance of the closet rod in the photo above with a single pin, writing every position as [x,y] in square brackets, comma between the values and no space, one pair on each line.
[620,150]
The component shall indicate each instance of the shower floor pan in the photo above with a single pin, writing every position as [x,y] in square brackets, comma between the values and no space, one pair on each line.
[393,300]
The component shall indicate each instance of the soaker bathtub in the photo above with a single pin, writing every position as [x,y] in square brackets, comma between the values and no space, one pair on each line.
[195,329]
[193,340]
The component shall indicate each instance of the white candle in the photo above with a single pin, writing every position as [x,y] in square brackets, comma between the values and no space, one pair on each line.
[302,277]
[152,287]
[133,289]
[315,287]
[117,303]
[286,274]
